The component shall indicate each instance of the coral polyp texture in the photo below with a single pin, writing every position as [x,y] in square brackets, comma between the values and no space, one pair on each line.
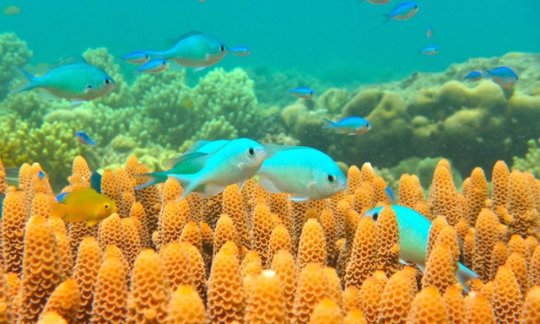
[199,273]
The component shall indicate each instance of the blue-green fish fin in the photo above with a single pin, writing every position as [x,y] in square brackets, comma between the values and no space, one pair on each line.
[197,145]
[175,40]
[465,275]
[31,81]
[190,182]
[329,122]
[95,181]
[174,162]
[70,60]
[190,163]
[210,190]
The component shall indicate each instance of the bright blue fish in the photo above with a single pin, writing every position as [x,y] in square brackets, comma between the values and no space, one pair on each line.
[351,125]
[137,57]
[303,172]
[474,76]
[430,50]
[84,138]
[302,92]
[193,49]
[504,77]
[403,11]
[240,51]
[154,66]
[413,239]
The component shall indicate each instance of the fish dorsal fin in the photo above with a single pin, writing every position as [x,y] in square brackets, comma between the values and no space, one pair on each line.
[189,34]
[75,196]
[70,60]
[190,163]
[197,145]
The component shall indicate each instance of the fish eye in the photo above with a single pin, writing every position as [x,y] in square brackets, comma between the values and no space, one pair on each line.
[330,178]
[222,48]
[106,206]
[89,86]
[416,7]
[251,151]
[107,81]
[375,216]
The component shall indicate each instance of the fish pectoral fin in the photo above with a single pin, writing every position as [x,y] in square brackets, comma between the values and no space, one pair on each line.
[299,198]
[91,222]
[212,190]
[268,185]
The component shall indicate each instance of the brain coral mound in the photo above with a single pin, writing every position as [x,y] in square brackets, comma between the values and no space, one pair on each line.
[221,272]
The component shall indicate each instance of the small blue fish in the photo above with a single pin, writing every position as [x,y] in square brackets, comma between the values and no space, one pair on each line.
[303,92]
[137,57]
[351,125]
[429,31]
[413,239]
[303,172]
[474,76]
[504,77]
[240,51]
[390,194]
[430,50]
[154,66]
[403,11]
[83,138]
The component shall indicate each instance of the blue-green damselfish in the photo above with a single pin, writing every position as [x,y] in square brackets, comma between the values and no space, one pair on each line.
[72,79]
[413,239]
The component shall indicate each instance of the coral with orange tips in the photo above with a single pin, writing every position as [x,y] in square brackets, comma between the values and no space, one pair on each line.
[6,315]
[408,190]
[530,313]
[312,288]
[225,231]
[65,252]
[173,218]
[312,245]
[149,295]
[150,198]
[85,273]
[176,265]
[132,239]
[280,204]
[440,268]
[52,318]
[78,231]
[233,205]
[455,305]
[477,195]
[225,294]
[185,307]
[13,225]
[354,178]
[328,224]
[436,227]
[80,174]
[352,298]
[64,300]
[443,198]
[354,316]
[251,264]
[261,230]
[171,190]
[40,257]
[396,299]
[363,259]
[379,191]
[370,295]
[520,202]
[517,244]
[388,241]
[428,307]
[109,186]
[42,204]
[279,240]
[507,298]
[534,268]
[111,290]
[285,267]
[326,311]
[486,234]
[192,234]
[498,258]
[197,268]
[500,177]
[518,265]
[110,232]
[478,309]
[334,285]
[363,197]
[265,302]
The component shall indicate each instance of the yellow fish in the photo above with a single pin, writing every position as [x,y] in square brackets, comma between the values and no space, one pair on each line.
[84,205]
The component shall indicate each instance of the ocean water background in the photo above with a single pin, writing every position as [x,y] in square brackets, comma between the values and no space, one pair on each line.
[343,42]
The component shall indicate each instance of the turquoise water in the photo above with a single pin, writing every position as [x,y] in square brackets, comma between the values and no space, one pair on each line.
[343,41]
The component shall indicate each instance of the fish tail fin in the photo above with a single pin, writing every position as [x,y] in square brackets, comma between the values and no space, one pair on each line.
[386,18]
[189,182]
[31,81]
[157,177]
[465,275]
[329,123]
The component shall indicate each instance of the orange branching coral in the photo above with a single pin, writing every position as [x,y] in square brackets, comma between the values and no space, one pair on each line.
[13,285]
[284,266]
[520,202]
[443,197]
[498,258]
[447,236]
[225,293]
[517,244]
[261,230]
[352,298]
[175,215]
[476,195]
[64,300]
[5,311]
[478,309]
[281,205]
[367,173]
[52,318]
[363,198]
[455,305]
[279,240]
[379,193]
[171,191]
[518,265]
[409,190]
[326,311]
[192,234]
[388,241]
[531,242]
[197,267]
[396,299]
[132,239]
[370,295]
[126,193]
[110,232]
[436,227]
[80,175]
[186,307]
[499,183]
[110,295]
[78,231]
[298,217]
[312,246]
[251,264]
[507,298]
[40,257]
[150,198]
[534,268]
[530,313]
[109,186]
[42,204]
[137,212]
[233,205]
[363,259]
[66,255]
[225,231]
[176,265]
[334,285]
[312,288]
[328,224]
[486,234]
[468,248]
[85,274]
[265,302]
[149,295]
[428,307]
[354,316]
[353,179]
[440,268]
[13,221]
